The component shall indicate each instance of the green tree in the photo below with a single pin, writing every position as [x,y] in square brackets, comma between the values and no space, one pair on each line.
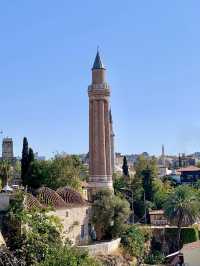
[121,214]
[5,171]
[17,170]
[24,160]
[109,214]
[182,207]
[142,185]
[125,167]
[197,184]
[37,240]
[161,191]
[32,233]
[149,173]
[119,183]
[58,172]
[8,259]
[69,256]
[133,241]
[31,156]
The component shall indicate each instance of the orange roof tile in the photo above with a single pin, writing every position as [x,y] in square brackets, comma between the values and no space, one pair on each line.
[188,169]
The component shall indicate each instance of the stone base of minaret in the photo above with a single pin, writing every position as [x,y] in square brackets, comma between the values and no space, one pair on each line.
[95,186]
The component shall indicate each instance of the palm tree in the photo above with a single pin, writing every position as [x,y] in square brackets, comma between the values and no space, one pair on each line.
[5,171]
[182,208]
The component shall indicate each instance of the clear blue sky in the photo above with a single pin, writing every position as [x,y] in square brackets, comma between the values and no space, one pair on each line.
[151,50]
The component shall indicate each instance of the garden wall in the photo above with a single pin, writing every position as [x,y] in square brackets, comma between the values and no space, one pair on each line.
[4,201]
[102,248]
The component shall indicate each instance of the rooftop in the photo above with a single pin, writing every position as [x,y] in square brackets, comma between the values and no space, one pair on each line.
[156,212]
[188,169]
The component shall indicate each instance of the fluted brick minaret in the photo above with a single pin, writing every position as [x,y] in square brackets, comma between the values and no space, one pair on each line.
[100,164]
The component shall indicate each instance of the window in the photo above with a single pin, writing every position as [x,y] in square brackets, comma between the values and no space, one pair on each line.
[67,214]
[89,228]
[82,231]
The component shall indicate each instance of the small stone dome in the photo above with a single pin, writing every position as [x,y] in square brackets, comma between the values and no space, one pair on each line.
[70,196]
[49,197]
[31,202]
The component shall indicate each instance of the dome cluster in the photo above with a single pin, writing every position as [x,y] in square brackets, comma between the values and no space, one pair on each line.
[62,198]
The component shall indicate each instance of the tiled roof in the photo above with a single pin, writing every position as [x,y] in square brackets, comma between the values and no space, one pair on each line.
[49,197]
[32,202]
[70,196]
[62,198]
[156,212]
[188,169]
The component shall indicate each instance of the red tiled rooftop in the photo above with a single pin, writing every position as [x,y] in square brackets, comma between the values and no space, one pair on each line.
[188,169]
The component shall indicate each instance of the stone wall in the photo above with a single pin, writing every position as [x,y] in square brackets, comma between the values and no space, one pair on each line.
[75,222]
[4,201]
[2,241]
[102,248]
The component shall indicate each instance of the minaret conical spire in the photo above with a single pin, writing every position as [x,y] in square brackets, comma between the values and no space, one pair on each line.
[98,64]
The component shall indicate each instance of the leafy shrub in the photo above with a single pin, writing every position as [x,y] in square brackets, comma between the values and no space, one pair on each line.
[189,235]
[7,258]
[133,241]
[155,257]
[69,256]
[109,214]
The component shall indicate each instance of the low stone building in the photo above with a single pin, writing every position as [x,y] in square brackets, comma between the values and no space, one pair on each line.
[72,210]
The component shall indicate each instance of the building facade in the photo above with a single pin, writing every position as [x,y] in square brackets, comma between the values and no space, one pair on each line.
[100,146]
[189,175]
[7,149]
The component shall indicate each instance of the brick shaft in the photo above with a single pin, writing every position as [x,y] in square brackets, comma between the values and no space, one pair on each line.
[100,158]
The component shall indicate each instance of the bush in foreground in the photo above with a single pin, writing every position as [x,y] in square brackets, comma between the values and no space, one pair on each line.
[69,256]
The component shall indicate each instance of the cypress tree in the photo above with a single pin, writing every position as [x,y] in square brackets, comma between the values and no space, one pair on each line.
[125,167]
[148,183]
[31,156]
[179,160]
[24,160]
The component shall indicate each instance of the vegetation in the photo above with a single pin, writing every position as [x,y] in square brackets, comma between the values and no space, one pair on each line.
[33,233]
[35,239]
[182,207]
[133,241]
[5,171]
[8,259]
[69,256]
[109,214]
[188,235]
[155,257]
[140,189]
[57,172]
[24,160]
[161,191]
[125,167]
